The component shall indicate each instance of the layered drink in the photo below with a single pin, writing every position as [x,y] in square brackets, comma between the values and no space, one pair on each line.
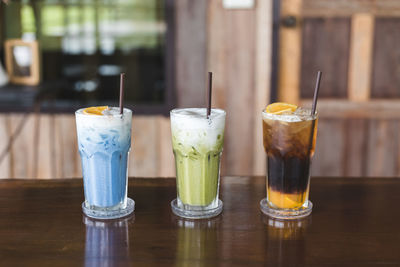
[197,142]
[289,136]
[104,141]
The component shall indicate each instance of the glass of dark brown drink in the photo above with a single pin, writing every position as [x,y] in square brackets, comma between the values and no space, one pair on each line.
[289,136]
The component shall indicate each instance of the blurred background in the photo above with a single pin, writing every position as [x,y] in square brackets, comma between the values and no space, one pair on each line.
[259,51]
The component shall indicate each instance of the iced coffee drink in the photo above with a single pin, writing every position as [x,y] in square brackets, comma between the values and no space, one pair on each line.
[289,136]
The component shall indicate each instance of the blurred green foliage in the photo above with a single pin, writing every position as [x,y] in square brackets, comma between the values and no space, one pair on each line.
[130,23]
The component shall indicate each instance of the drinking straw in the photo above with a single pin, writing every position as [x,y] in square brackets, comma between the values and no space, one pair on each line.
[121,93]
[317,83]
[314,107]
[209,94]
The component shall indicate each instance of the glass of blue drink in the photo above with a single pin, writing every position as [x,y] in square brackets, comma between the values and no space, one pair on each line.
[104,141]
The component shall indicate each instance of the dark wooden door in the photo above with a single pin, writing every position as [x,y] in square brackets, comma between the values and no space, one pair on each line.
[356,45]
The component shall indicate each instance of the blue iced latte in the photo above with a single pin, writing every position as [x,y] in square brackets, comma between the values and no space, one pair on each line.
[104,140]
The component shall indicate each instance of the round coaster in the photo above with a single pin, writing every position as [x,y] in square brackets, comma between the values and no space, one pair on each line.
[286,214]
[196,214]
[110,214]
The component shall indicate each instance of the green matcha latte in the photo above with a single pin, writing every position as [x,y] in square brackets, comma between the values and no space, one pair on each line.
[197,143]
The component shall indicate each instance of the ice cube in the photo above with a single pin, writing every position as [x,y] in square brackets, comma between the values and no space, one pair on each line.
[302,111]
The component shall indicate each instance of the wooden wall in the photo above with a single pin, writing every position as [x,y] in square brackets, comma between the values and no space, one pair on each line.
[361,139]
[47,147]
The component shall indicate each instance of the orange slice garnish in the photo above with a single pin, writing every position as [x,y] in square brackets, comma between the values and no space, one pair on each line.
[280,108]
[95,110]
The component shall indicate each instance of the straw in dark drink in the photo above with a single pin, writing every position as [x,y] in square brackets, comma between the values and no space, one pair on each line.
[121,93]
[315,99]
[314,107]
[209,94]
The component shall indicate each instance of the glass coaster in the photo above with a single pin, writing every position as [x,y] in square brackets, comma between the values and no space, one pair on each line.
[110,214]
[286,214]
[196,214]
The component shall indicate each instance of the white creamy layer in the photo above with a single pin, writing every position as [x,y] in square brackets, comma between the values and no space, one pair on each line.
[300,114]
[191,127]
[111,120]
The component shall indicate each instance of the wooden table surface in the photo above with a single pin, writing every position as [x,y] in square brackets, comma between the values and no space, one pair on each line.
[355,222]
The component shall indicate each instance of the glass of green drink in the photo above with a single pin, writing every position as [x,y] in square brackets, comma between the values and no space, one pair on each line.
[197,142]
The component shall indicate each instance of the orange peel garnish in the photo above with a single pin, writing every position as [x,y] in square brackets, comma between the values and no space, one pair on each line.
[280,108]
[95,110]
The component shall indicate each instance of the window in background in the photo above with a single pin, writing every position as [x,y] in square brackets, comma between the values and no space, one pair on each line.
[85,45]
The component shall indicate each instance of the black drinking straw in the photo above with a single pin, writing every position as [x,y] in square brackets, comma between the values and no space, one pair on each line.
[314,107]
[316,91]
[121,93]
[209,94]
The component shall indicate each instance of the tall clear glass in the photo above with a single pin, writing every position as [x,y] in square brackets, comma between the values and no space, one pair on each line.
[197,143]
[104,143]
[289,141]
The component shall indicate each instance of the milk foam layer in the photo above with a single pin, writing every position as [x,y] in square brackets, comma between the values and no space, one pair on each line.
[111,122]
[191,128]
[300,114]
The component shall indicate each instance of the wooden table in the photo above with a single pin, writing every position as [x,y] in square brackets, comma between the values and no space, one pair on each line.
[355,222]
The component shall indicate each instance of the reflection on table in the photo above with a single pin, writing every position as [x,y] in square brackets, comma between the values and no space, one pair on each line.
[106,241]
[286,240]
[197,243]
